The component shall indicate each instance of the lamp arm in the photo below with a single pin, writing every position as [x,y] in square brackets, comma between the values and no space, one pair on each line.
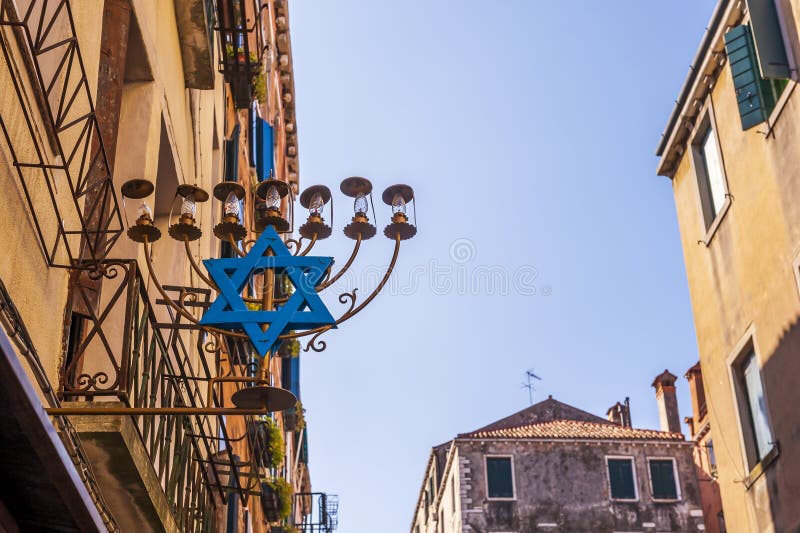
[316,332]
[181,310]
[196,267]
[235,246]
[310,245]
[325,284]
[362,305]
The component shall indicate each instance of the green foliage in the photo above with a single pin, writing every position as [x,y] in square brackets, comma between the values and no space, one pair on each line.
[229,51]
[301,417]
[275,445]
[289,348]
[284,492]
[260,88]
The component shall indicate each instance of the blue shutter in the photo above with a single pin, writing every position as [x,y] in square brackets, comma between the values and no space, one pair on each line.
[232,156]
[231,173]
[290,375]
[768,39]
[264,149]
[252,119]
[233,508]
[751,97]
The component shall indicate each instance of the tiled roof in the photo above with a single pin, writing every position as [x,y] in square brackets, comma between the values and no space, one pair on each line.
[573,429]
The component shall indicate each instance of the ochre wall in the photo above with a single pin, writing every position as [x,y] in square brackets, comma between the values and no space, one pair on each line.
[743,281]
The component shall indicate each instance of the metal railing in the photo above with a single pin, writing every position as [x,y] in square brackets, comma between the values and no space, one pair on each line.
[142,367]
[242,45]
[58,154]
[130,352]
[11,321]
[319,511]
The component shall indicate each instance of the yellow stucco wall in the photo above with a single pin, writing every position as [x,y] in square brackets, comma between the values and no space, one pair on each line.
[742,282]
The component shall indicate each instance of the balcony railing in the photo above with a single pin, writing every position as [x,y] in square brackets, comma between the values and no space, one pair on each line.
[319,512]
[241,46]
[11,321]
[53,137]
[135,354]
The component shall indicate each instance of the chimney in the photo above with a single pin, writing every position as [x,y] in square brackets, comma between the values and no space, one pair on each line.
[667,402]
[620,413]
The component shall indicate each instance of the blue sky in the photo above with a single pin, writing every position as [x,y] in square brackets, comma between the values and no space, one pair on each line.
[528,131]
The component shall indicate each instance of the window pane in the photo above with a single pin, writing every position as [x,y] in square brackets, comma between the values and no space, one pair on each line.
[498,475]
[713,162]
[712,459]
[620,473]
[663,475]
[756,406]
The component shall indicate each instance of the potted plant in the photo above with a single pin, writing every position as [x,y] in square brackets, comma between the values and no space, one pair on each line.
[239,54]
[267,443]
[294,418]
[289,348]
[276,499]
[286,528]
[260,88]
[240,70]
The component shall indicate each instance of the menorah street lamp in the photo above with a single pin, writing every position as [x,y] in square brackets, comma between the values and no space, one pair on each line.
[247,306]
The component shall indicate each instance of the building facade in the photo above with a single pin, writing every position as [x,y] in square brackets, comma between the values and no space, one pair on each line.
[180,95]
[730,149]
[552,467]
[705,459]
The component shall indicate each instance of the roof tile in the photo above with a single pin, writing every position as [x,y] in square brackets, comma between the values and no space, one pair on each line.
[574,429]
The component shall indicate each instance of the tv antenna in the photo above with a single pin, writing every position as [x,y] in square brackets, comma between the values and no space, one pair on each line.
[529,385]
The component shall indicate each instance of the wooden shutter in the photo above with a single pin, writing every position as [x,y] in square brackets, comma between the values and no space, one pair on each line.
[620,475]
[232,156]
[768,39]
[290,375]
[753,97]
[230,173]
[498,476]
[264,149]
[662,473]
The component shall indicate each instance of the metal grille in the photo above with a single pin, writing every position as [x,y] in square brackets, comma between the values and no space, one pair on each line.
[52,135]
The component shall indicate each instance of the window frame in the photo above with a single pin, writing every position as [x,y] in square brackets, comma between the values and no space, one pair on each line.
[513,477]
[705,199]
[796,270]
[675,476]
[746,346]
[632,460]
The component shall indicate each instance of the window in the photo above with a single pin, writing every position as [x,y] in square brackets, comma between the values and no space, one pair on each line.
[752,407]
[759,62]
[499,478]
[663,479]
[622,478]
[713,169]
[712,459]
[709,169]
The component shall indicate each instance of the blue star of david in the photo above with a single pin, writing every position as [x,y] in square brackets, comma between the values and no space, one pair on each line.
[303,310]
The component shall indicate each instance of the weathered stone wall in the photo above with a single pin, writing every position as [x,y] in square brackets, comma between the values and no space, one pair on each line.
[563,486]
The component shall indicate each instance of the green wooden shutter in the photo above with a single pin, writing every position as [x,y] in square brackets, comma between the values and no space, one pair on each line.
[768,39]
[499,478]
[662,473]
[752,94]
[620,475]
